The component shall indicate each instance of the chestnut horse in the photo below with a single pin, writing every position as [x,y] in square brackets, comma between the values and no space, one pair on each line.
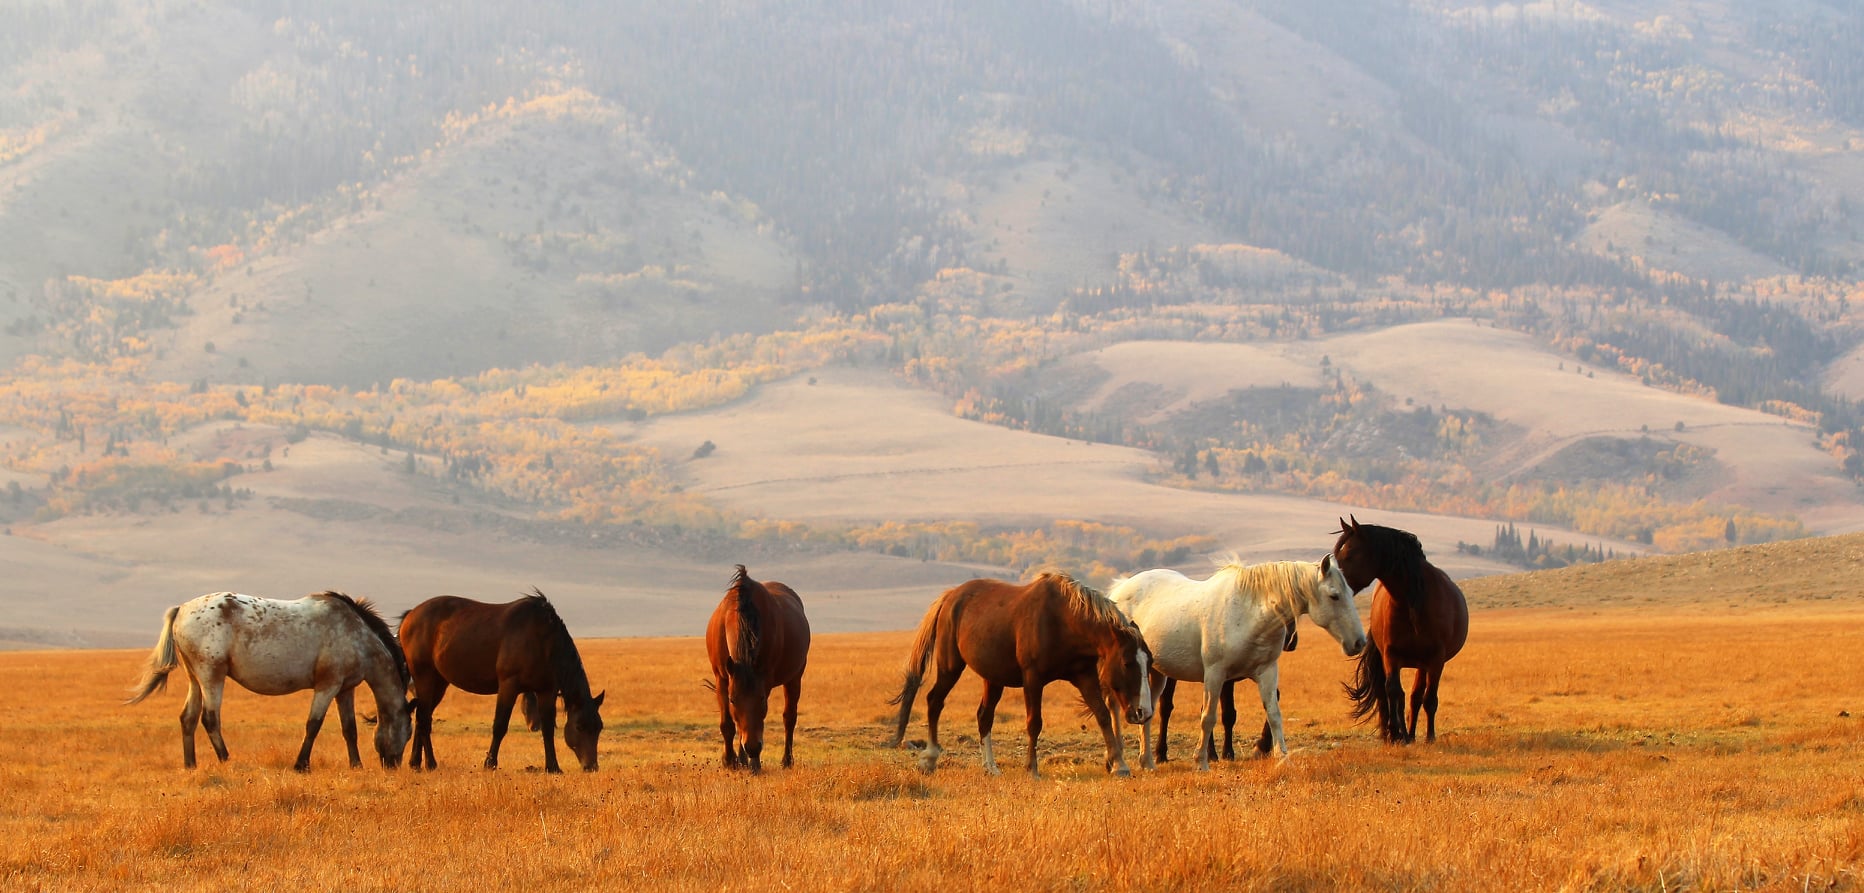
[328,642]
[1419,620]
[517,649]
[1026,636]
[757,639]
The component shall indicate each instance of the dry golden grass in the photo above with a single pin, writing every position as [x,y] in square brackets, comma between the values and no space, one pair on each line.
[1596,748]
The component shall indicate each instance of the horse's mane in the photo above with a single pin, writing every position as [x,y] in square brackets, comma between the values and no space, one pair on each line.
[1089,603]
[1401,550]
[372,618]
[1277,585]
[743,650]
[565,660]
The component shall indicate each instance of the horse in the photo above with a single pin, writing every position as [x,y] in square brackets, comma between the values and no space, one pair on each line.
[1419,619]
[1026,636]
[757,639]
[1235,625]
[326,642]
[512,650]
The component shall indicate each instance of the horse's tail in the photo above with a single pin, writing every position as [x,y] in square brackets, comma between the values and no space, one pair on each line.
[162,661]
[1368,689]
[916,658]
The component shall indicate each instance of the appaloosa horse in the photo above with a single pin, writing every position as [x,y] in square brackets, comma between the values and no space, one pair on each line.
[1026,636]
[1235,625]
[757,639]
[327,642]
[1419,619]
[512,650]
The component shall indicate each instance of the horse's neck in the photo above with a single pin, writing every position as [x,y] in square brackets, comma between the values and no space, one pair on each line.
[385,682]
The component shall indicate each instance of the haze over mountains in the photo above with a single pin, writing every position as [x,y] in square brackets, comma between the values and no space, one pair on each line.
[1209,274]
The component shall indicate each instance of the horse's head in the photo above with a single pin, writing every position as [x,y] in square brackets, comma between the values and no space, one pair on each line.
[1125,673]
[1333,609]
[1358,558]
[582,726]
[394,725]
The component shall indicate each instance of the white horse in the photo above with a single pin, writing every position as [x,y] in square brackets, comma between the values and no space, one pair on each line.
[1233,626]
[327,642]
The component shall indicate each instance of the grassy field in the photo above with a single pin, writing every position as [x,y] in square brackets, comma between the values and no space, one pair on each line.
[1661,743]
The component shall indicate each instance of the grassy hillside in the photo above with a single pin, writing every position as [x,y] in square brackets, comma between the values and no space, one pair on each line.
[453,239]
[1572,752]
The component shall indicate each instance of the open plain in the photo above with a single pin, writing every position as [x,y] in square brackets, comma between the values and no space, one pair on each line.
[1688,722]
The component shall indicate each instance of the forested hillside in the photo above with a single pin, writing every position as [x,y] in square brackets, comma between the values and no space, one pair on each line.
[463,234]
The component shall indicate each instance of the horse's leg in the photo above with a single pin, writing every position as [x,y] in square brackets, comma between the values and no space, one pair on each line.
[1393,711]
[501,720]
[544,714]
[1097,705]
[212,685]
[346,715]
[1228,700]
[1266,743]
[721,684]
[1268,684]
[1213,693]
[792,695]
[1425,691]
[1032,702]
[428,690]
[1146,761]
[986,720]
[190,718]
[320,704]
[1164,714]
[935,705]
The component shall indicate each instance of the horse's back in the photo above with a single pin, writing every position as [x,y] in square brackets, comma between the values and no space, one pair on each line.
[267,645]
[460,638]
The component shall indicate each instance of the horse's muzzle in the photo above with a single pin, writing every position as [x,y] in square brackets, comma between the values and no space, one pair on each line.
[1138,716]
[1353,648]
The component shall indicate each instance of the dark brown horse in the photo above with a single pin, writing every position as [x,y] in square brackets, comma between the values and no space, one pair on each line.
[1026,636]
[1419,620]
[758,639]
[517,649]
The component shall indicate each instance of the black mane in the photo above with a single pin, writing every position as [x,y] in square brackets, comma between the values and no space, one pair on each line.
[565,660]
[372,618]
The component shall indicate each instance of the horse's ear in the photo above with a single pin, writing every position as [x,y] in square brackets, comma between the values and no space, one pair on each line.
[1326,563]
[1354,519]
[1343,527]
[598,699]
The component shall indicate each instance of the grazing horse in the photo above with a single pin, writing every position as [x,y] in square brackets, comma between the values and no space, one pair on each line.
[1026,636]
[327,642]
[1235,625]
[1419,619]
[757,640]
[517,649]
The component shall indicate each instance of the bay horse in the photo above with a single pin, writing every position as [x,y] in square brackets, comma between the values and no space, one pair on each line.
[1234,625]
[326,642]
[757,639]
[1026,636]
[518,649]
[1419,619]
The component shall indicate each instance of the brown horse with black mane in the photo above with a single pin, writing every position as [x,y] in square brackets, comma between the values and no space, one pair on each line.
[757,639]
[517,649]
[1419,619]
[1026,636]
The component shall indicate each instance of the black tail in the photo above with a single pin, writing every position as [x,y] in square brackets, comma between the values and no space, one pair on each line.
[1368,689]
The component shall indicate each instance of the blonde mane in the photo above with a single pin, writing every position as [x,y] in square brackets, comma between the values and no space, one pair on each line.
[1280,586]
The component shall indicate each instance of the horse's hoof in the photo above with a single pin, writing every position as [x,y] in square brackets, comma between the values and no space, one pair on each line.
[1123,772]
[301,767]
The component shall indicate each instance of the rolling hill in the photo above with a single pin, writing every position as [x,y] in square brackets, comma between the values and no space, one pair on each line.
[1220,268]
